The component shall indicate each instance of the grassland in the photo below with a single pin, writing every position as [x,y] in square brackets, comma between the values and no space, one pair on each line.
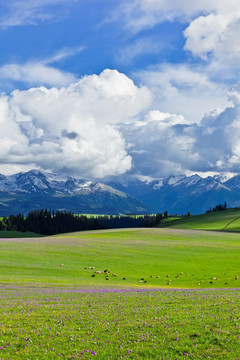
[226,220]
[176,295]
[139,257]
[115,325]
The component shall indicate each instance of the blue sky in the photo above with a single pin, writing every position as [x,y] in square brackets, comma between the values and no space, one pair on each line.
[104,40]
[144,88]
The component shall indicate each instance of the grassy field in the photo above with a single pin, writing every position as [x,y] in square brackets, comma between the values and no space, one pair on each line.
[227,220]
[139,258]
[176,295]
[157,325]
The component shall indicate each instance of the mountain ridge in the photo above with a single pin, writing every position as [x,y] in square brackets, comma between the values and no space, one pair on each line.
[180,194]
[35,189]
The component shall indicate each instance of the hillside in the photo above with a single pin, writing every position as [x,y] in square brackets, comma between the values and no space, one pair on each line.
[227,220]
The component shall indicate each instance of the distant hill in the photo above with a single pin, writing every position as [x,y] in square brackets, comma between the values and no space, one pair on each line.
[225,220]
[180,194]
[36,190]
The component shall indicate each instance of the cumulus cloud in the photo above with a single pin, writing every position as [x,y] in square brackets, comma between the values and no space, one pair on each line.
[216,36]
[105,125]
[163,144]
[160,144]
[74,128]
[212,26]
[184,89]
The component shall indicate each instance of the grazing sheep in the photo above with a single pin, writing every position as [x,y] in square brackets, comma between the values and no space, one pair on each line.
[124,278]
[157,277]
[61,265]
[114,274]
[236,277]
[93,275]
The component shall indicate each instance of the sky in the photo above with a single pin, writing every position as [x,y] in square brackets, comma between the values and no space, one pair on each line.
[114,88]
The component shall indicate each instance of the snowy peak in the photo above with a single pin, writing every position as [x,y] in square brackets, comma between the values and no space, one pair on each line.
[35,189]
[180,194]
[35,181]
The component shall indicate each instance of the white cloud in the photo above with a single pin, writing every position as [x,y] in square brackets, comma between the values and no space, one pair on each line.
[34,73]
[160,144]
[215,35]
[40,72]
[212,26]
[142,46]
[105,125]
[72,129]
[32,12]
[163,144]
[141,14]
[63,54]
[184,89]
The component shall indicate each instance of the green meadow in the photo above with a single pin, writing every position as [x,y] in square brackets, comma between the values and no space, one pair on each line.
[153,257]
[158,293]
[226,220]
[53,324]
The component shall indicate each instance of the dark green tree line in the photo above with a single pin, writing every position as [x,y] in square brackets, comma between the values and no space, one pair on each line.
[50,222]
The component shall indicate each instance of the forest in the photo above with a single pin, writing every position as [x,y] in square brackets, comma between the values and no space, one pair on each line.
[48,222]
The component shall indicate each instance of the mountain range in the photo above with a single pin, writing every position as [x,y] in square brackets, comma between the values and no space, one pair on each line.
[177,194]
[180,194]
[34,189]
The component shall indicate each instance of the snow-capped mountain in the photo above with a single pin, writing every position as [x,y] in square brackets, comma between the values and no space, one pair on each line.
[43,182]
[180,194]
[36,190]
[176,194]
